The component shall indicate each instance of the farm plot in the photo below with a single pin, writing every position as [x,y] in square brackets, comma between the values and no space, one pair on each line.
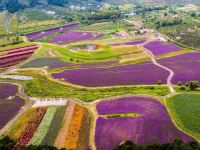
[54,63]
[63,127]
[10,102]
[134,42]
[12,57]
[159,48]
[46,62]
[44,33]
[186,66]
[130,53]
[31,128]
[152,125]
[118,75]
[185,109]
[75,36]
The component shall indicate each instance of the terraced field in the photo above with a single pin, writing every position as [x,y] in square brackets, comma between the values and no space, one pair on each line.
[11,57]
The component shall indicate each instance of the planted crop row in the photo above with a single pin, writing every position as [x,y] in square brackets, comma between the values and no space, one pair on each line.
[15,56]
[61,138]
[43,127]
[84,133]
[16,131]
[31,128]
[22,50]
[19,48]
[74,128]
[55,127]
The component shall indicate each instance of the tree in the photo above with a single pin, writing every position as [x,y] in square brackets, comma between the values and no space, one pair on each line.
[14,5]
[193,85]
[6,143]
[32,3]
[57,2]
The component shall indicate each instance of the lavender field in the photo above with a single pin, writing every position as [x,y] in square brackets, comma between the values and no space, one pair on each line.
[10,104]
[153,125]
[143,73]
[159,48]
[185,66]
[44,33]
[75,36]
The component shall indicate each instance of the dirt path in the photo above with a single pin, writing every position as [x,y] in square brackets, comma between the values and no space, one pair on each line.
[153,59]
[93,126]
[21,111]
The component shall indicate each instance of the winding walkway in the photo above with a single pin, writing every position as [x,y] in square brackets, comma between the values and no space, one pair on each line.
[153,59]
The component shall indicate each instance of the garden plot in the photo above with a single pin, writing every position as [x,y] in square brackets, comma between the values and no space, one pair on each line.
[151,125]
[159,48]
[133,74]
[46,62]
[134,42]
[10,102]
[44,33]
[12,57]
[75,36]
[65,126]
[185,66]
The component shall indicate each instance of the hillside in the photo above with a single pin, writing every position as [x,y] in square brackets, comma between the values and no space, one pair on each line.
[15,5]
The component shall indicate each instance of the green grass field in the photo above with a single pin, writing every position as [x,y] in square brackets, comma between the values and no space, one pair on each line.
[185,110]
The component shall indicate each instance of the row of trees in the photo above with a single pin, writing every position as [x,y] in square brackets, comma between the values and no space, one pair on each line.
[176,145]
[14,5]
[168,23]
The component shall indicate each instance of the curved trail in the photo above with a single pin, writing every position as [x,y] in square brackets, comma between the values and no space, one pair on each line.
[171,72]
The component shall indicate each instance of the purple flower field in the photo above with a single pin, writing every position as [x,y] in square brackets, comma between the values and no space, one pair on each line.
[37,35]
[135,42]
[159,48]
[185,66]
[10,104]
[153,125]
[74,36]
[142,73]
